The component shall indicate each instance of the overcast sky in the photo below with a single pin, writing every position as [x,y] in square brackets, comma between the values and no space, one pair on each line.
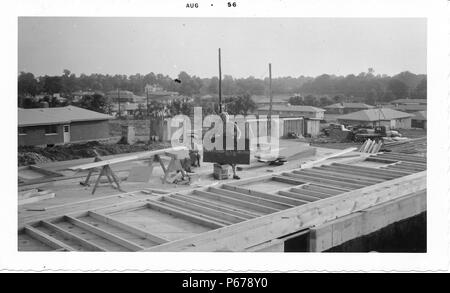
[294,46]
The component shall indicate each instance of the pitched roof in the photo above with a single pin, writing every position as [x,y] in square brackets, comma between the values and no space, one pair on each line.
[47,116]
[349,105]
[375,115]
[420,115]
[291,108]
[408,107]
[409,101]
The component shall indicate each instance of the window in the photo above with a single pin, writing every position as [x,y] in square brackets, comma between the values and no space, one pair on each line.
[22,131]
[51,129]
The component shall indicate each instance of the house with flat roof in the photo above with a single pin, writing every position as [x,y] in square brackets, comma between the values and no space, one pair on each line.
[50,126]
[311,115]
[390,118]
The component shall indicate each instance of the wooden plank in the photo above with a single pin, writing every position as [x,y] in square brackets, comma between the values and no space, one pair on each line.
[342,178]
[303,176]
[204,210]
[85,243]
[104,234]
[370,170]
[375,174]
[309,192]
[287,180]
[304,198]
[134,230]
[250,198]
[238,202]
[348,175]
[230,210]
[280,200]
[249,233]
[47,239]
[324,189]
[274,197]
[178,212]
[353,174]
[125,159]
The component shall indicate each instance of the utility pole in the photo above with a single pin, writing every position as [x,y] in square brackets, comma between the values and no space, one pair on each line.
[148,117]
[118,101]
[220,84]
[269,121]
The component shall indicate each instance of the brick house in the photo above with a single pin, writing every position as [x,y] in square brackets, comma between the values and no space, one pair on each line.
[50,126]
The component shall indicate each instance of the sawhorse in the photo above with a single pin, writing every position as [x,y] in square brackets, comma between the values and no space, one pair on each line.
[105,171]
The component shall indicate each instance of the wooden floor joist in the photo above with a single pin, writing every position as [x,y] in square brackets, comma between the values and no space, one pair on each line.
[309,192]
[184,214]
[102,233]
[47,239]
[347,175]
[280,200]
[313,178]
[238,202]
[304,198]
[85,243]
[204,210]
[374,174]
[131,229]
[251,199]
[370,170]
[326,175]
[214,205]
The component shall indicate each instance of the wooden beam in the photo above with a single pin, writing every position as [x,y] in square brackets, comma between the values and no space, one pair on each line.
[85,243]
[375,174]
[310,178]
[324,189]
[287,202]
[306,192]
[356,173]
[104,234]
[347,175]
[238,202]
[214,205]
[304,198]
[46,239]
[250,198]
[371,170]
[191,217]
[341,177]
[287,180]
[204,210]
[249,233]
[134,230]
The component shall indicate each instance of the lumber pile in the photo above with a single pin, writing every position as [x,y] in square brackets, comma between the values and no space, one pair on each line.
[371,146]
[409,146]
[34,195]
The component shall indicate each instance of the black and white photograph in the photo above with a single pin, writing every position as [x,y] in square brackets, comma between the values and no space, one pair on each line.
[297,136]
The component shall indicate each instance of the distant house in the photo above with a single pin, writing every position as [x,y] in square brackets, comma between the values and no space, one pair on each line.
[263,101]
[122,95]
[50,126]
[311,115]
[409,102]
[127,109]
[345,108]
[157,93]
[419,120]
[390,118]
[409,108]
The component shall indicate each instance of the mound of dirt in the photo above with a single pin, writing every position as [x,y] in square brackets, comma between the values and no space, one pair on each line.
[35,155]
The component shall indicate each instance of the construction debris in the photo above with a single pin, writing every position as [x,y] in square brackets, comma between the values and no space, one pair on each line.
[371,146]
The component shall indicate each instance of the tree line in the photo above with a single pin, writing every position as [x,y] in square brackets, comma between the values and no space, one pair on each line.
[366,87]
